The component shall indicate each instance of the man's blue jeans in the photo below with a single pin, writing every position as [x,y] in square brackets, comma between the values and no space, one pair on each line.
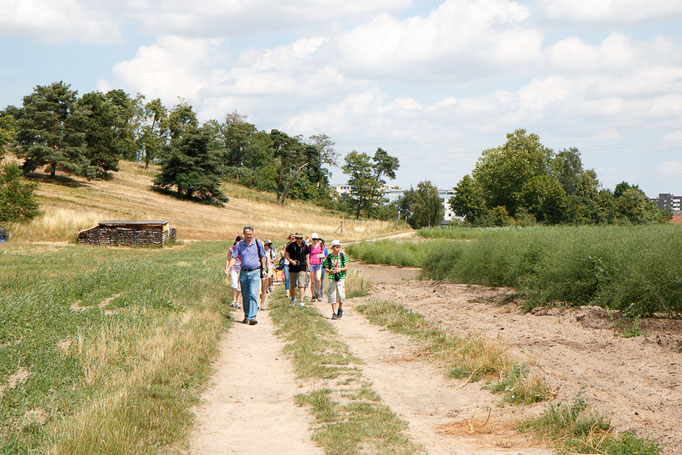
[286,277]
[250,282]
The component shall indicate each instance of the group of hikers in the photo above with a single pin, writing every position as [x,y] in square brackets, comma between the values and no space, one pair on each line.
[251,266]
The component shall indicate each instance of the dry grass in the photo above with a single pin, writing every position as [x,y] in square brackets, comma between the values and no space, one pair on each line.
[72,204]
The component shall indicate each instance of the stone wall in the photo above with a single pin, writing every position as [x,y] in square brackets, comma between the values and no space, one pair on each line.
[125,236]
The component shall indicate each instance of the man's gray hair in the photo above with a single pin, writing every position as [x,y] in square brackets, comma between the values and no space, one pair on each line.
[247,227]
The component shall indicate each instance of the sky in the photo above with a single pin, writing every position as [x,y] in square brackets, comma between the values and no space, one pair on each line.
[433,83]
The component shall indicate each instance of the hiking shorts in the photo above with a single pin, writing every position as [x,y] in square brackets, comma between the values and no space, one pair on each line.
[299,278]
[337,291]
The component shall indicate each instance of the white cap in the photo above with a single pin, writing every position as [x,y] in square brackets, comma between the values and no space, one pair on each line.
[336,242]
[314,236]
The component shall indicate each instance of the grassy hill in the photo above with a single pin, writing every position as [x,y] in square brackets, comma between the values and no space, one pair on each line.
[72,204]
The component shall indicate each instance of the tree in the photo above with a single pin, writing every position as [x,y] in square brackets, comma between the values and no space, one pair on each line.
[7,131]
[181,117]
[192,167]
[363,182]
[49,132]
[568,168]
[17,201]
[99,128]
[428,207]
[384,166]
[153,130]
[543,197]
[501,172]
[125,120]
[325,147]
[468,201]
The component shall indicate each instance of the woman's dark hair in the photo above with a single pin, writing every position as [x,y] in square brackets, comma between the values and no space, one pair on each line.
[238,239]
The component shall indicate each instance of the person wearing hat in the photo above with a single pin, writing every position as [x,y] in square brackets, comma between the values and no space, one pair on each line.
[316,258]
[336,265]
[298,255]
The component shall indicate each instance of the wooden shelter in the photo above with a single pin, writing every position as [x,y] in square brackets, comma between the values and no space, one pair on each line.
[128,233]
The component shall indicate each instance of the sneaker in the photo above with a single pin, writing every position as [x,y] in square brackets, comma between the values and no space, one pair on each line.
[253,322]
[340,313]
[291,302]
[334,316]
[301,304]
[245,321]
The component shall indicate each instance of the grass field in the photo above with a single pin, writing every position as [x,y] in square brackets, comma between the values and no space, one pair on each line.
[72,204]
[636,269]
[105,348]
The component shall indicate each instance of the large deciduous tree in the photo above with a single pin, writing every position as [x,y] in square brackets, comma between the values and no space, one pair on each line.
[428,206]
[50,130]
[502,172]
[468,201]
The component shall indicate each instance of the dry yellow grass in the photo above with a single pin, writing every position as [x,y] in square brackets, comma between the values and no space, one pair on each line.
[69,206]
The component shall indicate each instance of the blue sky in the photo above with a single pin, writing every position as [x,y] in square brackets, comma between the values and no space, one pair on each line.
[432,82]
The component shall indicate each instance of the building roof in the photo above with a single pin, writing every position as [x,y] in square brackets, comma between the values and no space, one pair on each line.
[132,223]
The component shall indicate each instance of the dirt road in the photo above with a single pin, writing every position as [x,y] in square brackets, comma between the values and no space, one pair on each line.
[634,381]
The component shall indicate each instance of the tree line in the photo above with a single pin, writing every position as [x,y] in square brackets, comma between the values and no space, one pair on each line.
[55,129]
[523,182]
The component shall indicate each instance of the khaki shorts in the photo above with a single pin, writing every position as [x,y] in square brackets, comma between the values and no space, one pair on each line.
[298,278]
[337,291]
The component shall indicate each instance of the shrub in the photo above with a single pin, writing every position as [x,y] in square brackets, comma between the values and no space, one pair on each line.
[17,201]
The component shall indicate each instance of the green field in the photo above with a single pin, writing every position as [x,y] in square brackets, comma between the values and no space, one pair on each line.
[105,348]
[636,269]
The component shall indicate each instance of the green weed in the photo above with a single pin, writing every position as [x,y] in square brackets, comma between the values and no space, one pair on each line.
[572,429]
[361,424]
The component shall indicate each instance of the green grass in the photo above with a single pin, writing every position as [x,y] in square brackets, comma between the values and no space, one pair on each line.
[350,417]
[634,269]
[402,253]
[574,430]
[116,379]
[356,285]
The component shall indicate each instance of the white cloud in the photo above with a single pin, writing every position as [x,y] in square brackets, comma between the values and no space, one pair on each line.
[175,67]
[611,10]
[236,17]
[457,33]
[57,22]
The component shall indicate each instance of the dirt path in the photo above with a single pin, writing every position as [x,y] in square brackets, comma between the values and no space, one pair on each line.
[250,407]
[636,382]
[443,416]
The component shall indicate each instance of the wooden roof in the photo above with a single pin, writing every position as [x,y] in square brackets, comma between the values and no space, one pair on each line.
[132,223]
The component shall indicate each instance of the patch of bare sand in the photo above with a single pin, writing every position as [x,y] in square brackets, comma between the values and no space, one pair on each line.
[636,381]
[419,393]
[20,376]
[250,407]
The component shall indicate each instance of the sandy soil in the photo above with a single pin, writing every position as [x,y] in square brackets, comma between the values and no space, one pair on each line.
[250,409]
[636,382]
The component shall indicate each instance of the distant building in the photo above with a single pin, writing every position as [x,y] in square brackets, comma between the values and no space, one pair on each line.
[669,201]
[448,215]
[393,193]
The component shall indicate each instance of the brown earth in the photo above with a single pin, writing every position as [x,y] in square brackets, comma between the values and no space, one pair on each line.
[636,382]
[633,381]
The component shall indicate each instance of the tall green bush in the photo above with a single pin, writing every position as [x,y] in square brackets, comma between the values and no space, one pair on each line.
[17,201]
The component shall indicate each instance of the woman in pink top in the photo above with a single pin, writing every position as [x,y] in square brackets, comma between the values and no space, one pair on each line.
[316,258]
